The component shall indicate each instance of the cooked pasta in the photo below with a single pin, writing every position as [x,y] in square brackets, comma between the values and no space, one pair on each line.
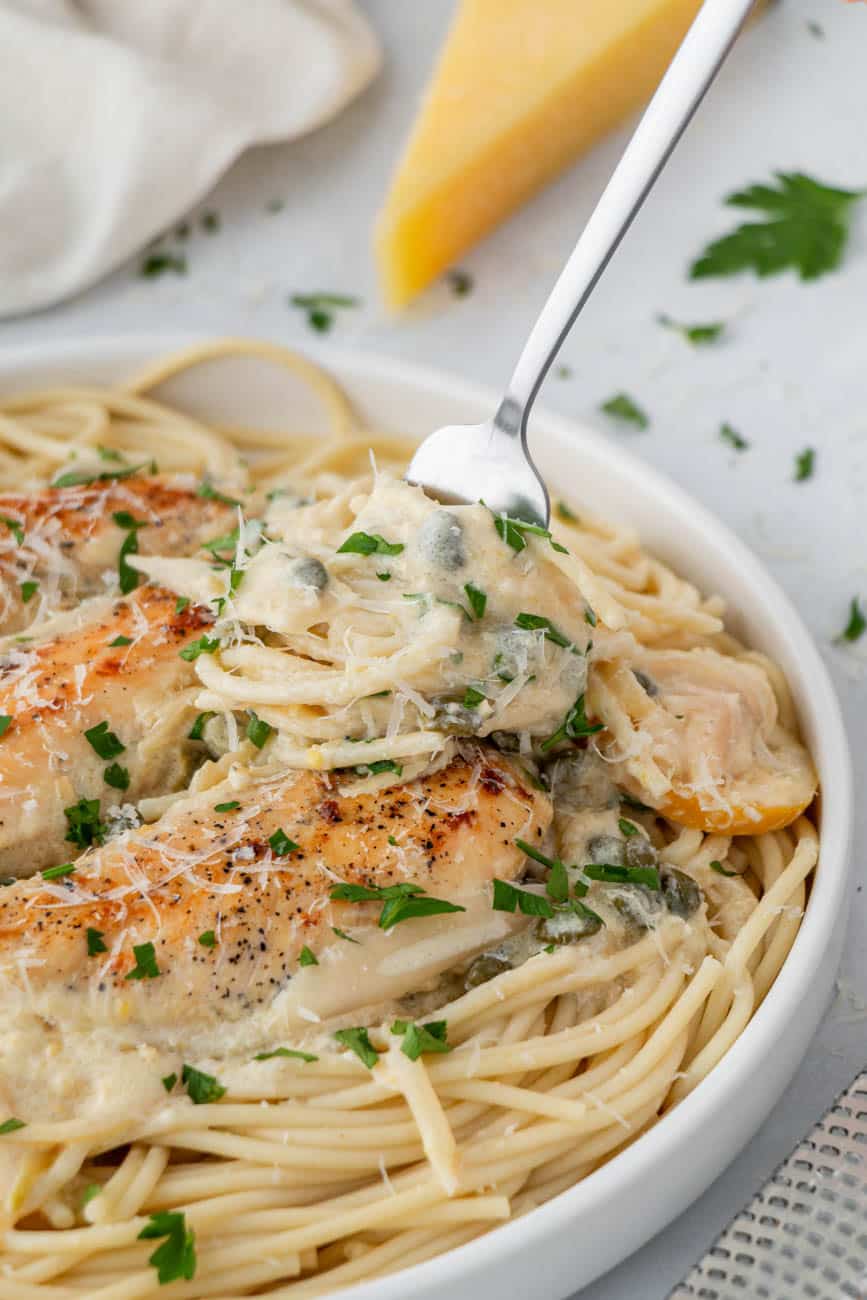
[420,859]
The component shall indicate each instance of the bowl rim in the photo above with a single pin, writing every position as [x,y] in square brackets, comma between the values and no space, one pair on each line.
[831,754]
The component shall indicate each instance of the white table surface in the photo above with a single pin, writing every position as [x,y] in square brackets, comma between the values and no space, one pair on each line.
[791,373]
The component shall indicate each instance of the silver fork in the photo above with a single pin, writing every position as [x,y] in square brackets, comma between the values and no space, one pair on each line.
[491,461]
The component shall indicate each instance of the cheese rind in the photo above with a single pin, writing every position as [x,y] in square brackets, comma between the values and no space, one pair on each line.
[522,88]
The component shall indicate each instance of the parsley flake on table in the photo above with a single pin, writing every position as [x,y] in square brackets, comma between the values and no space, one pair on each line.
[160,263]
[854,628]
[176,1257]
[806,227]
[460,282]
[733,438]
[320,307]
[805,464]
[622,407]
[695,334]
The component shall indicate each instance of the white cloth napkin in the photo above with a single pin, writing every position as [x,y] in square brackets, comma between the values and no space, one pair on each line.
[117,115]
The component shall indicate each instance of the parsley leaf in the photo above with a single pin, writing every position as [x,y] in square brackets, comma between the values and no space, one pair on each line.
[805,463]
[565,513]
[306,957]
[536,622]
[281,845]
[369,544]
[11,1126]
[209,492]
[306,1057]
[806,227]
[16,529]
[627,827]
[472,697]
[229,806]
[357,1041]
[341,934]
[82,478]
[118,641]
[84,826]
[201,1087]
[622,407]
[856,624]
[733,438]
[168,1081]
[116,776]
[159,263]
[477,598]
[203,646]
[196,730]
[318,307]
[508,898]
[379,765]
[418,1039]
[611,874]
[208,939]
[95,943]
[257,730]
[105,742]
[28,591]
[146,967]
[720,869]
[176,1257]
[695,334]
[399,902]
[574,725]
[5,723]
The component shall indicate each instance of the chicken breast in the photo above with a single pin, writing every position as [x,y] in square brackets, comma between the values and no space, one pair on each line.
[111,672]
[225,903]
[64,543]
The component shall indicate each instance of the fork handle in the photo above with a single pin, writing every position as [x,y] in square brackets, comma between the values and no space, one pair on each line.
[680,92]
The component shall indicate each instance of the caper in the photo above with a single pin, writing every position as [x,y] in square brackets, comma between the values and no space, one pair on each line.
[567,926]
[639,852]
[506,741]
[308,572]
[680,892]
[646,683]
[440,540]
[484,968]
[608,849]
[636,904]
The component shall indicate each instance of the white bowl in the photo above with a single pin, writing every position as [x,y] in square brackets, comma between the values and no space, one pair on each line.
[569,1241]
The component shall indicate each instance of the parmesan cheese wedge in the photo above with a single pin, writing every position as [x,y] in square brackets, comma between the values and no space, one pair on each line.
[521,89]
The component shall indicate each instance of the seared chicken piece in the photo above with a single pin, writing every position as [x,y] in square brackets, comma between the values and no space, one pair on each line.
[233,885]
[118,665]
[62,544]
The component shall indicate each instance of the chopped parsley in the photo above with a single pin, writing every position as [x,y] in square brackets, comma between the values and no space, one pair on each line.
[392,841]
[320,307]
[621,407]
[11,1126]
[720,869]
[203,646]
[565,513]
[82,477]
[168,1081]
[306,1057]
[83,825]
[5,723]
[281,845]
[611,874]
[695,334]
[91,1190]
[146,967]
[181,604]
[208,939]
[198,727]
[733,438]
[16,529]
[380,765]
[116,776]
[201,1087]
[176,1257]
[369,544]
[210,493]
[574,725]
[805,228]
[627,827]
[477,598]
[472,697]
[257,730]
[399,902]
[357,1041]
[418,1039]
[102,740]
[805,463]
[160,263]
[341,934]
[460,282]
[119,641]
[307,958]
[508,898]
[536,622]
[57,873]
[514,533]
[95,943]
[28,590]
[855,626]
[384,577]
[229,806]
